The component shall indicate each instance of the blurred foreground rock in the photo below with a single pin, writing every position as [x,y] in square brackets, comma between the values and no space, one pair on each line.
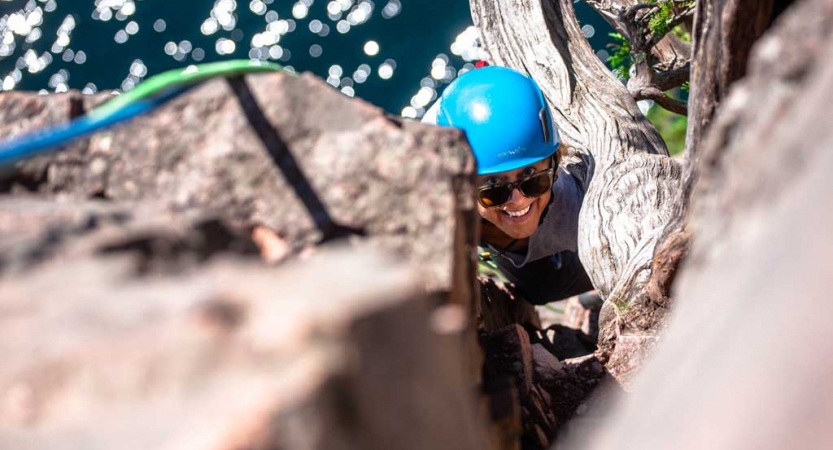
[757,374]
[232,355]
[35,230]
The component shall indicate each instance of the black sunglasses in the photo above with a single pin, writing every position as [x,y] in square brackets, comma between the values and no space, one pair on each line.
[535,185]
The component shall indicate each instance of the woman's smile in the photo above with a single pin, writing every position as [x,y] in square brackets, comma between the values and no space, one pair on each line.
[520,213]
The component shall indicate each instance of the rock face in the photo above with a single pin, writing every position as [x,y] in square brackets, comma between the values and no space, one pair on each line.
[286,152]
[229,355]
[140,254]
[137,311]
[756,375]
[532,394]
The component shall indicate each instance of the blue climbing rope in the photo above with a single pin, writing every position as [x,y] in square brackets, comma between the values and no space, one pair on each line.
[146,97]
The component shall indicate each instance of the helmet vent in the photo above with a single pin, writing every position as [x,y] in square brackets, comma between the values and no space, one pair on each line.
[545,124]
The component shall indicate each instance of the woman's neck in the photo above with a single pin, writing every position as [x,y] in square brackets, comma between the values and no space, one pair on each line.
[492,235]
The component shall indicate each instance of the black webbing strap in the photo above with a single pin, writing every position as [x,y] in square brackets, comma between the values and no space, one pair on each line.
[286,162]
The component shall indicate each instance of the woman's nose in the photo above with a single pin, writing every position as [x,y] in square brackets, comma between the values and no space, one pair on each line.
[516,196]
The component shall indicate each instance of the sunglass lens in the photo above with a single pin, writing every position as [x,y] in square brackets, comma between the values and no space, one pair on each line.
[536,186]
[495,196]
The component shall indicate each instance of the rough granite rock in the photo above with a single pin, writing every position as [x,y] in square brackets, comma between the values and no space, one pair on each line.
[218,148]
[547,391]
[167,197]
[21,113]
[136,310]
[36,230]
[757,374]
[230,355]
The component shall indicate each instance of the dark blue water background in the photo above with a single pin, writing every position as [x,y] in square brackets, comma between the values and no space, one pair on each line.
[411,34]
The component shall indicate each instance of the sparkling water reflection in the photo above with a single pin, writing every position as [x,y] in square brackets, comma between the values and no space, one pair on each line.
[396,54]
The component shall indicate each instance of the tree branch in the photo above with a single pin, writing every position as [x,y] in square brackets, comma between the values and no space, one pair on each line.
[631,11]
[669,79]
[671,52]
[620,14]
[652,93]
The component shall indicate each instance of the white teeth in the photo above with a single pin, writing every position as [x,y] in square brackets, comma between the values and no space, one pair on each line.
[518,213]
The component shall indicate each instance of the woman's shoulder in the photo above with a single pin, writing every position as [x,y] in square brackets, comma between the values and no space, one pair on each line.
[567,185]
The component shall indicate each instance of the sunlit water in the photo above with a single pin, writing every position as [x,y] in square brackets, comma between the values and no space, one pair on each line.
[397,54]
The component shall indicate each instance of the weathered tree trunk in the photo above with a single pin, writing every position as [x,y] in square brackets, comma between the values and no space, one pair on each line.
[723,36]
[632,263]
[634,187]
[632,228]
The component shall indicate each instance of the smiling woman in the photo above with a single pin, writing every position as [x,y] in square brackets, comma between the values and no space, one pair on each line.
[514,201]
[529,205]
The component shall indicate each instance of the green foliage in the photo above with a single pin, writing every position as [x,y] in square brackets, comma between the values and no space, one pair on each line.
[686,87]
[622,73]
[660,21]
[672,128]
[682,34]
[620,59]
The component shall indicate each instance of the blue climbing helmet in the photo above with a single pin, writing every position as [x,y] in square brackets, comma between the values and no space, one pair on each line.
[504,115]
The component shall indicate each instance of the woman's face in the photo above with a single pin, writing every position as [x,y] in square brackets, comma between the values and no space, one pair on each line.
[518,218]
